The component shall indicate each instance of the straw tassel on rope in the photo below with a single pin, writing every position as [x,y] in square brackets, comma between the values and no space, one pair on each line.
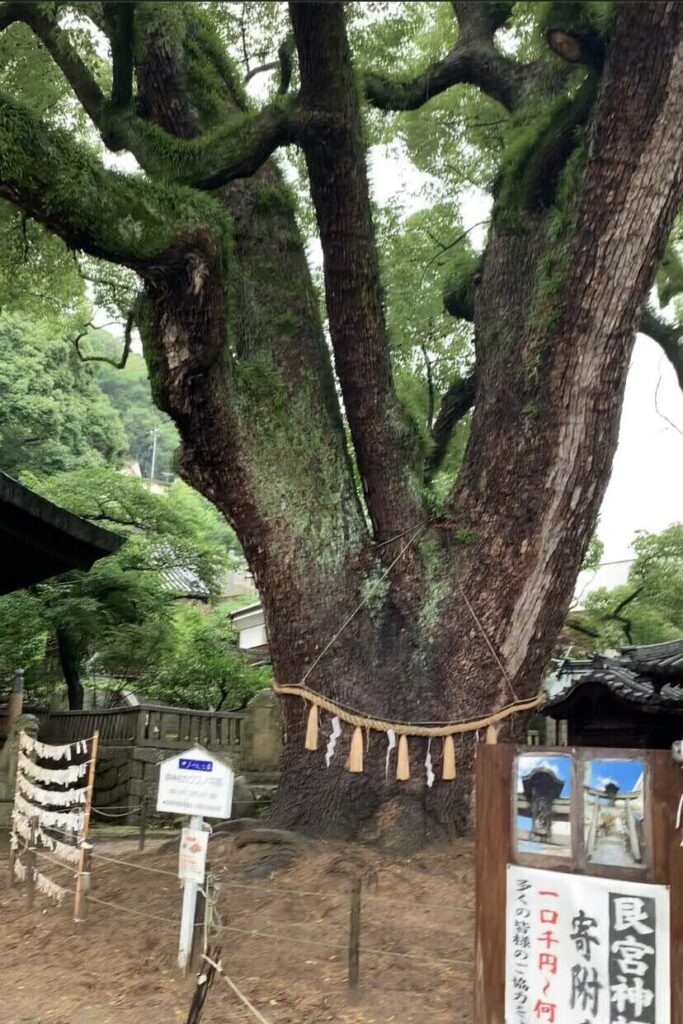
[312,728]
[356,752]
[403,760]
[448,759]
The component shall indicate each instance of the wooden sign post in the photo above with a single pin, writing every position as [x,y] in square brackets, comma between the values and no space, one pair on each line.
[554,848]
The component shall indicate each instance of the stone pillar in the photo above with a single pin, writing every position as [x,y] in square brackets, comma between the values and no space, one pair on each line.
[262,734]
[15,703]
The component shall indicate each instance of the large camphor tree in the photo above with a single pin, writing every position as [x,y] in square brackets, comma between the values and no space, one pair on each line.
[452,597]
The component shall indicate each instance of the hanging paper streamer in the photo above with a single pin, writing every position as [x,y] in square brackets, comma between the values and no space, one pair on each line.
[69,854]
[356,752]
[448,760]
[49,752]
[72,820]
[316,702]
[332,742]
[52,798]
[403,759]
[56,776]
[428,764]
[391,738]
[50,888]
[20,871]
[312,729]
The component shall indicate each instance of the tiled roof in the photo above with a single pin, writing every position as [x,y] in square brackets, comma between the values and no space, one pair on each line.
[184,582]
[662,660]
[620,680]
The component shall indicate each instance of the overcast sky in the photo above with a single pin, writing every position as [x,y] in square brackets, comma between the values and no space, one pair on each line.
[646,488]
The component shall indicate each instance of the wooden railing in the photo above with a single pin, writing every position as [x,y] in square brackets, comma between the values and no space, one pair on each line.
[151,725]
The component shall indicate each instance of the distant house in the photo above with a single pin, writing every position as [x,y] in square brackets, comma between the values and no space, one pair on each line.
[634,699]
[250,624]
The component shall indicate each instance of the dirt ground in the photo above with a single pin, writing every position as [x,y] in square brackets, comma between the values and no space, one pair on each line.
[284,939]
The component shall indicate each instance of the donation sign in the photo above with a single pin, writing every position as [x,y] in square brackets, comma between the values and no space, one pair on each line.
[195,783]
[192,857]
[584,950]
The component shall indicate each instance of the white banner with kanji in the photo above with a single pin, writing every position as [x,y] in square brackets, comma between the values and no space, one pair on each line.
[585,950]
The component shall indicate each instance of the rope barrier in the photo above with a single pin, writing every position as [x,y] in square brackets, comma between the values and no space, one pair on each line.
[123,814]
[255,933]
[358,718]
[130,910]
[130,864]
[240,995]
[277,890]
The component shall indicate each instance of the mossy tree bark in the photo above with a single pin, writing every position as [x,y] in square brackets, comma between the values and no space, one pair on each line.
[237,356]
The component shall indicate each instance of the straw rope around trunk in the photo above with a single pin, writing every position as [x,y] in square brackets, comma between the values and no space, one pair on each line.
[358,719]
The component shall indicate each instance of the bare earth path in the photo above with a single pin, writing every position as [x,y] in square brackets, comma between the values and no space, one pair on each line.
[284,940]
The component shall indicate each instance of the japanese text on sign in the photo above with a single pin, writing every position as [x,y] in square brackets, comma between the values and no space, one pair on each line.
[583,950]
[192,856]
[188,786]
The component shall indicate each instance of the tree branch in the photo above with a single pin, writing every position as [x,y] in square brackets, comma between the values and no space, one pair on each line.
[457,401]
[385,442]
[118,364]
[119,19]
[474,60]
[236,149]
[668,336]
[56,42]
[60,184]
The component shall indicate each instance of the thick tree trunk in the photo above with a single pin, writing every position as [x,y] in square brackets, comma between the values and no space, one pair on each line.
[372,598]
[69,662]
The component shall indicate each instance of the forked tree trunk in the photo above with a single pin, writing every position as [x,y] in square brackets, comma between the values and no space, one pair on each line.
[377,602]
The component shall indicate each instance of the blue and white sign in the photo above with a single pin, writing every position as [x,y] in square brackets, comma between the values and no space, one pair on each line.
[191,765]
[195,783]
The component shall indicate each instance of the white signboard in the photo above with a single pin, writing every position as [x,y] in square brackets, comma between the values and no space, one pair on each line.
[195,783]
[584,950]
[192,858]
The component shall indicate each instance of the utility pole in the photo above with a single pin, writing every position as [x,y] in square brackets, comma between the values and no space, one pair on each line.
[153,468]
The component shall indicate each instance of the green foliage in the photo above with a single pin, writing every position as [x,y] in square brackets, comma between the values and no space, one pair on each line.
[655,614]
[129,392]
[121,613]
[198,663]
[54,417]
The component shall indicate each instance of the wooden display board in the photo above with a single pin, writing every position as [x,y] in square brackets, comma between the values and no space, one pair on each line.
[655,842]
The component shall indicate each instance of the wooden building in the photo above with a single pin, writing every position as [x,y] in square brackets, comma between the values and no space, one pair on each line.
[632,700]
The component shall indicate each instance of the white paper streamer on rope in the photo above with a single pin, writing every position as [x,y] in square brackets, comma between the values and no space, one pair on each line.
[21,826]
[50,888]
[72,820]
[51,797]
[428,764]
[67,853]
[332,742]
[50,752]
[391,743]
[20,871]
[57,776]
[22,830]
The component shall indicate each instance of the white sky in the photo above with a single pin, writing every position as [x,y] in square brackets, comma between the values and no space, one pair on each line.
[646,487]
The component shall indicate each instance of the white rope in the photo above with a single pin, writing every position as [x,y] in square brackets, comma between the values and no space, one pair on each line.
[240,995]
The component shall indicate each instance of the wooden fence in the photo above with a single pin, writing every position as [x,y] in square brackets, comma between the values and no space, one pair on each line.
[149,725]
